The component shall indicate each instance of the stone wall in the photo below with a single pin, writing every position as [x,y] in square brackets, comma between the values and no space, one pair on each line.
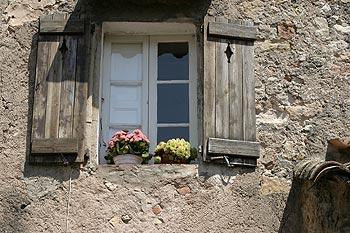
[302,71]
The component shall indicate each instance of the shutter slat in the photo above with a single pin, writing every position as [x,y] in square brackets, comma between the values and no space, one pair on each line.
[40,100]
[248,92]
[232,30]
[68,89]
[209,87]
[53,94]
[81,90]
[233,147]
[236,91]
[62,26]
[222,88]
[59,145]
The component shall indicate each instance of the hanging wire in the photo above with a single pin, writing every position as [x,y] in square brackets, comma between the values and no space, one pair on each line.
[68,201]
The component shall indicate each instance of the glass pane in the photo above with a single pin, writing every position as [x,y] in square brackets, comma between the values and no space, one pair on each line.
[126,62]
[166,133]
[173,61]
[125,105]
[172,103]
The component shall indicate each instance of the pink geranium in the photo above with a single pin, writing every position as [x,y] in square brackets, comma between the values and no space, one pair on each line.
[124,142]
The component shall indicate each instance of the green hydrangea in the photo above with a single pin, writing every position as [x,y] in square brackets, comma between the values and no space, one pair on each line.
[178,150]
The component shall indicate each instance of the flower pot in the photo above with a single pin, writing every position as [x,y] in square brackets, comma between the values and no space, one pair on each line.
[166,160]
[127,159]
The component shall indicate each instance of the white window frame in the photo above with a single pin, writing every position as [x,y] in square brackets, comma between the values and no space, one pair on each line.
[153,70]
[106,83]
[149,34]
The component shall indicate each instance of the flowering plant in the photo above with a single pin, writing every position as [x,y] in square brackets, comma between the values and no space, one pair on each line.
[124,142]
[174,151]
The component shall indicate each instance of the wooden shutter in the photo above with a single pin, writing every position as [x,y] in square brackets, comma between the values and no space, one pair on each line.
[229,100]
[60,91]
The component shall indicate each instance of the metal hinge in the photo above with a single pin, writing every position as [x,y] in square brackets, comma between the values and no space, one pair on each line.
[228,162]
[64,160]
[93,28]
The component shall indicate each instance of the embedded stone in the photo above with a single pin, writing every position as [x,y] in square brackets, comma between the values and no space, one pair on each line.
[115,221]
[274,185]
[110,186]
[184,190]
[322,26]
[126,218]
[326,8]
[157,221]
[156,209]
[341,29]
[286,30]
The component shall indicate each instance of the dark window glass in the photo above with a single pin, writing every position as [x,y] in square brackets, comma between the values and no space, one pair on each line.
[173,103]
[166,133]
[173,61]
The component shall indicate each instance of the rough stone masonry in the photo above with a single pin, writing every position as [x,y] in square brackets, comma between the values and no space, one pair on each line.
[302,72]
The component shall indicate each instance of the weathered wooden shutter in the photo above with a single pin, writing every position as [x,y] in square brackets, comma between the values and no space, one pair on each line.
[60,91]
[229,100]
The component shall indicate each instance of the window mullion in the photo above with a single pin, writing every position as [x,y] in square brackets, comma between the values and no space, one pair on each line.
[153,66]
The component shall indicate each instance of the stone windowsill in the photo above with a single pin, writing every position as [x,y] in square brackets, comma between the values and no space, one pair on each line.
[143,173]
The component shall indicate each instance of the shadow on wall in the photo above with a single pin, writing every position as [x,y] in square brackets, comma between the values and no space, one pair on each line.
[319,199]
[13,207]
[226,174]
[145,10]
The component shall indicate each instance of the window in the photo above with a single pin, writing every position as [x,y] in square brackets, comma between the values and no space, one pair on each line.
[149,83]
[148,80]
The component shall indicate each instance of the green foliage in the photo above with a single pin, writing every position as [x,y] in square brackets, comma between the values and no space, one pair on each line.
[177,150]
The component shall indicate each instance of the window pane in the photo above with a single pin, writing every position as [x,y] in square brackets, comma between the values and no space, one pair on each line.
[173,61]
[126,62]
[125,105]
[172,103]
[166,133]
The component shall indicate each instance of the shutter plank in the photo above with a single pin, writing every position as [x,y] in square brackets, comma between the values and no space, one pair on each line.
[62,26]
[236,92]
[58,145]
[221,88]
[208,87]
[81,90]
[68,89]
[40,99]
[53,92]
[233,147]
[61,23]
[232,30]
[249,92]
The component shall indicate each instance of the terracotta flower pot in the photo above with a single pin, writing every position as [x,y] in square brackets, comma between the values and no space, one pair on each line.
[166,160]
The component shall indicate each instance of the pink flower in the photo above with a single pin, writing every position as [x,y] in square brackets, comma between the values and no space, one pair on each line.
[111,143]
[126,140]
[123,137]
[129,136]
[121,132]
[137,131]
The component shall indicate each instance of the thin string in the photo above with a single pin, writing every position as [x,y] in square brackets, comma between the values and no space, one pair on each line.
[68,201]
